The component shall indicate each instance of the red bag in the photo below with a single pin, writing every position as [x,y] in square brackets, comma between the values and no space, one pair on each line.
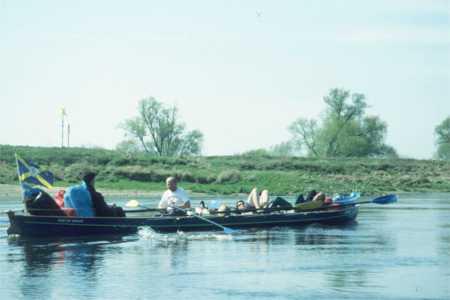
[328,200]
[59,198]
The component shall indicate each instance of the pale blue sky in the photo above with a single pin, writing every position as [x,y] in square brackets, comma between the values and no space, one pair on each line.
[239,71]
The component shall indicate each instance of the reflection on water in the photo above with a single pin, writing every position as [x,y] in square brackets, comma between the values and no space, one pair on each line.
[45,260]
[389,253]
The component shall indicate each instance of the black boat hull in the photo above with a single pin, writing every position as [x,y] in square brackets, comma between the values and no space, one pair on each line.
[48,226]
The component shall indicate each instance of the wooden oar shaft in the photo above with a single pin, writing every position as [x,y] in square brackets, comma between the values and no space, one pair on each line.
[144,209]
[4,212]
[225,229]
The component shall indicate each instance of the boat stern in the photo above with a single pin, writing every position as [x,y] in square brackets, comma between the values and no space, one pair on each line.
[13,227]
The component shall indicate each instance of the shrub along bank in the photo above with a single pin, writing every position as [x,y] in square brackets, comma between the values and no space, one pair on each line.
[232,174]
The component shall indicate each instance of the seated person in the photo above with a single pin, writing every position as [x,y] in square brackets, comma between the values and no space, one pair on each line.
[203,209]
[241,205]
[300,199]
[223,210]
[309,197]
[317,201]
[174,196]
[280,203]
[253,201]
[101,209]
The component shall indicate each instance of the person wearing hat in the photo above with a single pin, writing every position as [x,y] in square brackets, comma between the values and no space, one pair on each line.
[102,209]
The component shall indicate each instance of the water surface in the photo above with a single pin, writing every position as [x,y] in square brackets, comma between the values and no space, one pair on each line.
[400,251]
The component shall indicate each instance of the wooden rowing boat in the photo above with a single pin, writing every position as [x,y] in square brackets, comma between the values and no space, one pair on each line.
[47,226]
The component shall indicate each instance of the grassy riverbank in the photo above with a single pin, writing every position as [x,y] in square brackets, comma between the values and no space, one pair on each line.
[233,174]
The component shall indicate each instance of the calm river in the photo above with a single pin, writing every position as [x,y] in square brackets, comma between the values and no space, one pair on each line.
[399,251]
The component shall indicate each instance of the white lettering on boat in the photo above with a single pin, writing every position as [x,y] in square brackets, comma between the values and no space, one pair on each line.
[79,221]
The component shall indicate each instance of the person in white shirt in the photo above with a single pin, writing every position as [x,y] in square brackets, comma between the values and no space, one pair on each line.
[174,196]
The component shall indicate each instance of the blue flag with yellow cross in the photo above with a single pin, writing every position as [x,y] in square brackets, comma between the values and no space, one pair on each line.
[30,174]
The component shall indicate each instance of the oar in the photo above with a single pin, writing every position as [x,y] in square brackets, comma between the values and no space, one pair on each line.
[4,212]
[227,230]
[386,199]
[138,207]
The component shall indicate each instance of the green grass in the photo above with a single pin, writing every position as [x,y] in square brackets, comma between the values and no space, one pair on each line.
[233,174]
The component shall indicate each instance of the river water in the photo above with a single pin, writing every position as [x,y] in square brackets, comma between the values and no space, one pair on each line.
[399,251]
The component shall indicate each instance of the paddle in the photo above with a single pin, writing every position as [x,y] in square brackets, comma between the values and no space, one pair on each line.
[227,230]
[4,212]
[386,199]
[138,207]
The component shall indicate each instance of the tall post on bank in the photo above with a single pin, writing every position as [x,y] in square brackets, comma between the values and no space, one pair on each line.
[63,114]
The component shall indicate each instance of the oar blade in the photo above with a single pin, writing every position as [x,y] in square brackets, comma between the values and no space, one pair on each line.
[386,199]
[227,230]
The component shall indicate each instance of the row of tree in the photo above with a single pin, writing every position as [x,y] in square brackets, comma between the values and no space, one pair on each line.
[344,130]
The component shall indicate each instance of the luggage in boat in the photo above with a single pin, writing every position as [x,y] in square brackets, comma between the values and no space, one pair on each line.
[59,198]
[79,198]
[42,204]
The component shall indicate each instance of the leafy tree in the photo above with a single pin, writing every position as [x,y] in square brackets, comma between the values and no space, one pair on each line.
[158,130]
[442,132]
[344,131]
[305,133]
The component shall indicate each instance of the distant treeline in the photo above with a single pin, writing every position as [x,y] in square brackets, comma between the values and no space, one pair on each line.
[232,174]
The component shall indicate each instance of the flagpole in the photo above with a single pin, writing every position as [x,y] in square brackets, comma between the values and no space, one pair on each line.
[68,135]
[18,176]
[62,127]
[18,171]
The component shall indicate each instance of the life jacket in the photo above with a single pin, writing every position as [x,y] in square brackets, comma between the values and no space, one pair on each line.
[79,198]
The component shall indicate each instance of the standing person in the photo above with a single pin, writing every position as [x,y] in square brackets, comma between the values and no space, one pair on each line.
[98,201]
[174,196]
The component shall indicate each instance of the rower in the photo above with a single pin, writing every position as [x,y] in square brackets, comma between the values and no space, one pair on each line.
[174,196]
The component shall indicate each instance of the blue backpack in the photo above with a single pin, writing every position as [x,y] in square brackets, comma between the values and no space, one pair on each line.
[79,198]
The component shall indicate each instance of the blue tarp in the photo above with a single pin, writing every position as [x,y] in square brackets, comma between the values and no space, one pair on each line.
[79,198]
